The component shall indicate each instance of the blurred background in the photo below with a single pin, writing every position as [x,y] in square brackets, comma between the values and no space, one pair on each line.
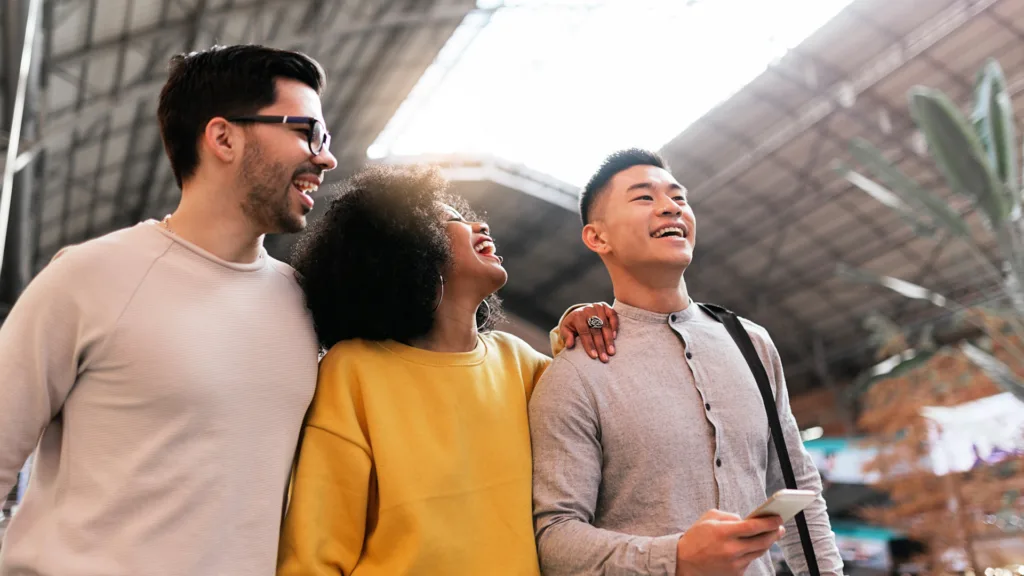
[854,166]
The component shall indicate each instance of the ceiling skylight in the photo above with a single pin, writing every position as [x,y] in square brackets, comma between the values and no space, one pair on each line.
[558,84]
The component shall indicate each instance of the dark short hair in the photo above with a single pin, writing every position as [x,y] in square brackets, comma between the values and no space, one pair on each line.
[612,165]
[371,266]
[222,81]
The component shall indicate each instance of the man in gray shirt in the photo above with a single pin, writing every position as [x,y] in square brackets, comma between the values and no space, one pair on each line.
[647,464]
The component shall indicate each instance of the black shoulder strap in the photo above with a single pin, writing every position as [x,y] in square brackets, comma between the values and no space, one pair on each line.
[742,339]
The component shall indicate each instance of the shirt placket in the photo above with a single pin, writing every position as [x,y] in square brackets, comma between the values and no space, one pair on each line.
[700,381]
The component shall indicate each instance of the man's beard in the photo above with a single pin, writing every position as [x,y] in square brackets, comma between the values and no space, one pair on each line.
[268,201]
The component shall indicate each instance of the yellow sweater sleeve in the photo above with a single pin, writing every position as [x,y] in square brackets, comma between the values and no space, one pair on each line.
[557,344]
[326,522]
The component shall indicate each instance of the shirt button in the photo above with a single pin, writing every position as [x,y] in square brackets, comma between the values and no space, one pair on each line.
[672,318]
[707,406]
[689,355]
[718,462]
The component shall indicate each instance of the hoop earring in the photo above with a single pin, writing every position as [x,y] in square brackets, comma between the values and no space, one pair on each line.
[487,314]
[442,294]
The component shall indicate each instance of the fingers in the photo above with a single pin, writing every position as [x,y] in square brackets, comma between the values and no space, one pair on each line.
[568,336]
[600,347]
[613,319]
[756,526]
[597,342]
[744,561]
[586,339]
[606,332]
[760,544]
[719,515]
[594,340]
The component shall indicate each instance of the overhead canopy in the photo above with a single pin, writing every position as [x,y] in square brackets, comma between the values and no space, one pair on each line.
[774,218]
[98,160]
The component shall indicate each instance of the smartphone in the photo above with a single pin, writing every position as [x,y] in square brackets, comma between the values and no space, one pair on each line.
[784,503]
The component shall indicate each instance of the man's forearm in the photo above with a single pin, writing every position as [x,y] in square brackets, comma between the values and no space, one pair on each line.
[818,525]
[807,478]
[825,551]
[572,547]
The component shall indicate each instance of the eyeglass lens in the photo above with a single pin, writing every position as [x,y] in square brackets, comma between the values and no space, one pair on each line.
[317,138]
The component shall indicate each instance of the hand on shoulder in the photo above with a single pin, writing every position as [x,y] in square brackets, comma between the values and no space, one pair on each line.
[595,326]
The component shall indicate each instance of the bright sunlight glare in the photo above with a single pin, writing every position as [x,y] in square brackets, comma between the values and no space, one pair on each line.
[556,85]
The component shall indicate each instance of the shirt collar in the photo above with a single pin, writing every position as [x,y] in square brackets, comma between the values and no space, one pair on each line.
[648,317]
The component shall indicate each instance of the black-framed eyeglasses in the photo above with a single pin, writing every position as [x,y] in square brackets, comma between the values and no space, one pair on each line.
[318,137]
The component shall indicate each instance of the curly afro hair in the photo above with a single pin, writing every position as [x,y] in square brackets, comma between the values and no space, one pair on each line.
[371,266]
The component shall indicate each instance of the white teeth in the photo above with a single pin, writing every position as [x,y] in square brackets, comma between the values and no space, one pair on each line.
[665,231]
[486,245]
[305,187]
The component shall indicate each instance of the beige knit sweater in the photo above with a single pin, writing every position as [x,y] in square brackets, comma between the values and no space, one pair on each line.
[165,389]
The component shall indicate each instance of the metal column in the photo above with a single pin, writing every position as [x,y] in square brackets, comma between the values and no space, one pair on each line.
[21,22]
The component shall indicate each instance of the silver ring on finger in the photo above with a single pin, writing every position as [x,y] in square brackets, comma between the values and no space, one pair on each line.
[595,322]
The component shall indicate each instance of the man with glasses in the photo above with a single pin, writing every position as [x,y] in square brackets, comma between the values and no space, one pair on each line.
[162,371]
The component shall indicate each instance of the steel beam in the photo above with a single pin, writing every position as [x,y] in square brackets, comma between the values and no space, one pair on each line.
[68,190]
[21,24]
[927,269]
[879,68]
[94,194]
[482,167]
[100,106]
[122,215]
[899,241]
[91,111]
[157,169]
[177,28]
[39,166]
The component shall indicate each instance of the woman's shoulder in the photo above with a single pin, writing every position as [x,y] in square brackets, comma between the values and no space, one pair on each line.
[505,343]
[347,352]
[506,340]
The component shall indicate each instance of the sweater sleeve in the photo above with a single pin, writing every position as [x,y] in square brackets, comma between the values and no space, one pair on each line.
[557,344]
[44,346]
[533,364]
[564,427]
[807,478]
[325,526]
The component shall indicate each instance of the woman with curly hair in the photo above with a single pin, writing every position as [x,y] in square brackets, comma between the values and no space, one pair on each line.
[416,452]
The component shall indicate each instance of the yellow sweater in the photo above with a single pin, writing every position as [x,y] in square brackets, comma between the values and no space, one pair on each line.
[416,462]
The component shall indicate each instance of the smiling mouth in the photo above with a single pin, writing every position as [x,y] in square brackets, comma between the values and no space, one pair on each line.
[670,232]
[306,189]
[485,248]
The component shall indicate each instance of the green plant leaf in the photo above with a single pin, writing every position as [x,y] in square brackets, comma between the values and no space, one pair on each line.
[1009,241]
[901,287]
[995,369]
[995,124]
[907,189]
[887,198]
[959,154]
[981,112]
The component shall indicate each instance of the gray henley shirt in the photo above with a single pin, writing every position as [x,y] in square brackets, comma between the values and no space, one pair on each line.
[628,454]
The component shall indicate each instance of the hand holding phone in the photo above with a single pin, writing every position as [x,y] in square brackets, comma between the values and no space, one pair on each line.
[784,503]
[723,544]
